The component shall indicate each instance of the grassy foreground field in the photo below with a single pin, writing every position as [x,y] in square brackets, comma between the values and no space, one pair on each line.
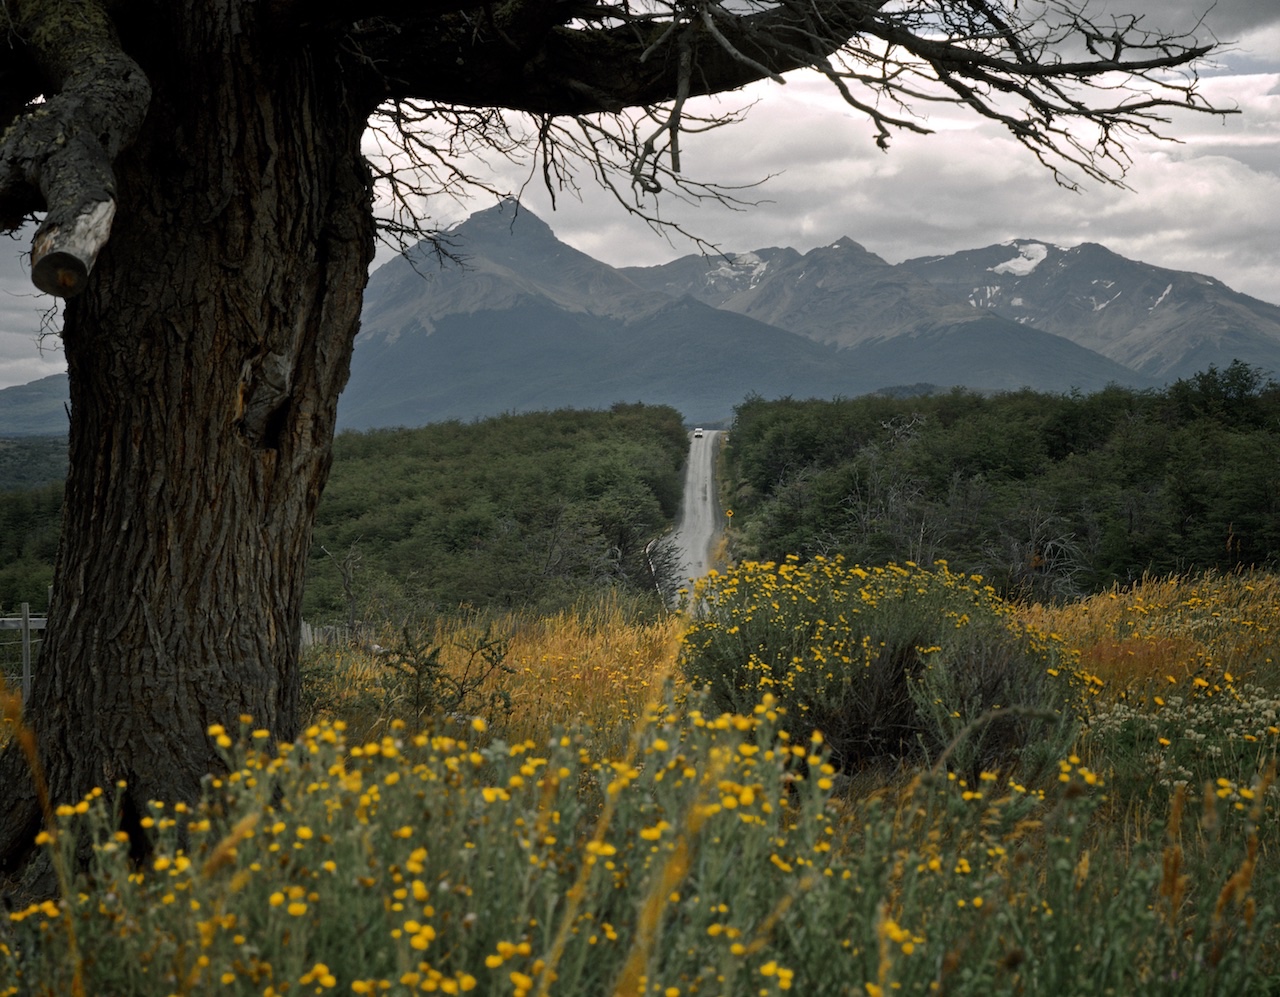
[545,806]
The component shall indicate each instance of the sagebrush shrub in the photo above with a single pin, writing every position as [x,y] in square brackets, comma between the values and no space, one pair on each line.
[892,664]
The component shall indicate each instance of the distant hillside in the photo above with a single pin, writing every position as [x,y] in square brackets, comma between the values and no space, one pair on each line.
[533,355]
[990,354]
[35,409]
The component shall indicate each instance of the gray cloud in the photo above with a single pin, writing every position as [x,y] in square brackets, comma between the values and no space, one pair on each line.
[1210,204]
[24,354]
[1227,19]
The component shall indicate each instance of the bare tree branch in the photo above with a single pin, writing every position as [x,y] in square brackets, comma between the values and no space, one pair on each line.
[1070,88]
[311,13]
[439,75]
[57,155]
[1074,114]
[419,151]
[565,64]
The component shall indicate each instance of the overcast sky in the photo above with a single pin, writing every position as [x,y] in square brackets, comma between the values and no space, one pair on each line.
[1210,204]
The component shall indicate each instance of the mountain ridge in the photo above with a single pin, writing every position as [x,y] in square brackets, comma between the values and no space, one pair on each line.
[514,319]
[519,319]
[1160,322]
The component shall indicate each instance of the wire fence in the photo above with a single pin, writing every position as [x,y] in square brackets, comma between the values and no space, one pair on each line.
[327,635]
[21,638]
[20,647]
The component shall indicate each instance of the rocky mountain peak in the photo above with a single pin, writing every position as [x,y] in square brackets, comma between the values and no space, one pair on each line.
[847,252]
[506,220]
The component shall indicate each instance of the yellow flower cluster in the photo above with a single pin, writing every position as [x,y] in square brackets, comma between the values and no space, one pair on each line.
[698,852]
[245,888]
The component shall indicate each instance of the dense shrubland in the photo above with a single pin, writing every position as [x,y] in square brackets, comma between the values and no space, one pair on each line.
[517,511]
[537,511]
[31,461]
[30,522]
[611,832]
[1047,496]
[896,666]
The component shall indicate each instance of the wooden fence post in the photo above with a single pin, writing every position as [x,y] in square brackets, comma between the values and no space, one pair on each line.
[26,652]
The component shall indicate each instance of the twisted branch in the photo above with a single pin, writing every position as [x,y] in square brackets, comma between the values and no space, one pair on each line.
[57,155]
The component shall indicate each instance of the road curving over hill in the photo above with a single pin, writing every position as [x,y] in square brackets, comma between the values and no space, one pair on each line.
[700,516]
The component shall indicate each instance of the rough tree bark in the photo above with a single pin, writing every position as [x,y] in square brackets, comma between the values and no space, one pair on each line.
[207,212]
[205,360]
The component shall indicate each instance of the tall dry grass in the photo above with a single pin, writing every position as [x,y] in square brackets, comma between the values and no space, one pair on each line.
[592,667]
[1172,632]
[1185,687]
[595,665]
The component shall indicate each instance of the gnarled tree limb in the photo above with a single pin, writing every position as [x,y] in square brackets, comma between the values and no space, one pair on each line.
[584,68]
[1067,86]
[57,155]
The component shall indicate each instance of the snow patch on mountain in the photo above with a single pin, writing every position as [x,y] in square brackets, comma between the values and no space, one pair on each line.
[984,297]
[752,262]
[741,270]
[1030,255]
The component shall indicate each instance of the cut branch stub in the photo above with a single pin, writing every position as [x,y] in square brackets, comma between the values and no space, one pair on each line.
[63,148]
[63,254]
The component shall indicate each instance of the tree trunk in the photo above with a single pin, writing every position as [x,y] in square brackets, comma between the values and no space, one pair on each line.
[205,358]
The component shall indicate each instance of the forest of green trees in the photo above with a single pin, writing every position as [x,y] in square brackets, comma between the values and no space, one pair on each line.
[516,511]
[30,521]
[527,510]
[1046,495]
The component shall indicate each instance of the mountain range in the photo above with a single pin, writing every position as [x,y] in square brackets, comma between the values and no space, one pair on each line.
[513,320]
[1159,324]
[523,321]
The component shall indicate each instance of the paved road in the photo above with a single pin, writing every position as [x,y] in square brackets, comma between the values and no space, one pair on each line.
[700,515]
